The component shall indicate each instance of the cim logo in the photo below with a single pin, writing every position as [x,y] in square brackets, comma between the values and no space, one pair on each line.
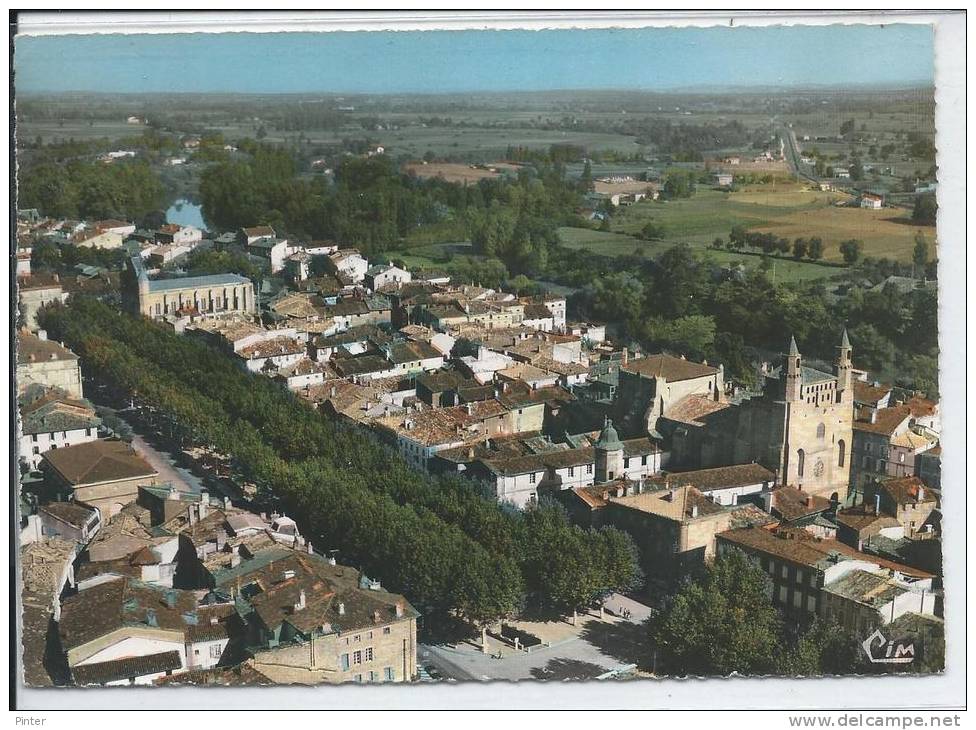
[882,651]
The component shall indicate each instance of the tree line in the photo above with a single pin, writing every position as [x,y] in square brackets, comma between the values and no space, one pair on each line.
[440,541]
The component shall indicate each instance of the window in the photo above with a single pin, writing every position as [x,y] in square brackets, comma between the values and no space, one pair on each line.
[785,572]
[373,676]
[821,431]
[532,478]
[388,674]
[34,438]
[87,432]
[799,575]
[800,458]
[626,463]
[841,447]
[797,599]
[811,604]
[216,651]
[782,594]
[901,457]
[589,468]
[572,471]
[356,639]
[37,450]
[369,653]
[357,657]
[386,629]
[345,661]
[359,677]
[644,460]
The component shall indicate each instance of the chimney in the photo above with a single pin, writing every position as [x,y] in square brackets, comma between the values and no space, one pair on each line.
[921,495]
[376,617]
[173,494]
[213,620]
[624,355]
[301,600]
[694,511]
[191,514]
[308,548]
[809,500]
[204,503]
[399,609]
[873,415]
[877,503]
[226,503]
[42,335]
[332,560]
[342,609]
[235,560]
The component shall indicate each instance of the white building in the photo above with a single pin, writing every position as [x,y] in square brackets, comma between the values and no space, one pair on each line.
[53,420]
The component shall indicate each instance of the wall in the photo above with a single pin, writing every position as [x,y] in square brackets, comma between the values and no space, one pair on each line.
[32,446]
[64,374]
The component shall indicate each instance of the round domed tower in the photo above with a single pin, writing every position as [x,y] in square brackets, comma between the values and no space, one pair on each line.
[609,451]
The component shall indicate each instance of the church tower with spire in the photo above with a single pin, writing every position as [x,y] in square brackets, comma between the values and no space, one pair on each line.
[844,369]
[792,373]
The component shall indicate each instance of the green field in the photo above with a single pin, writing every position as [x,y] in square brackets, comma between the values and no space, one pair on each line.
[787,210]
[619,244]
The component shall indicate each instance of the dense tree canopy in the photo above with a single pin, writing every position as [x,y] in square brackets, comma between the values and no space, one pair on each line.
[438,540]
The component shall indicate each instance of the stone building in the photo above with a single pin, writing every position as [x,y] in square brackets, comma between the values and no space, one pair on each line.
[103,474]
[44,362]
[36,290]
[216,294]
[800,427]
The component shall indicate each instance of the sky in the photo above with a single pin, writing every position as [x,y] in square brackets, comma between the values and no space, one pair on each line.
[473,61]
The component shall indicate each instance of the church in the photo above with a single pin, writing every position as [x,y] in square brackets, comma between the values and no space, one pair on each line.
[799,426]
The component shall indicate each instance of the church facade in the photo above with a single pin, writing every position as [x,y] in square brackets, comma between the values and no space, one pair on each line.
[800,427]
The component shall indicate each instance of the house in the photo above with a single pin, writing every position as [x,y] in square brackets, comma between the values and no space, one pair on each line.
[722,179]
[887,443]
[725,485]
[384,275]
[173,233]
[801,565]
[104,474]
[127,546]
[36,290]
[862,600]
[871,200]
[164,255]
[50,419]
[247,236]
[349,262]
[119,631]
[309,620]
[271,249]
[523,478]
[674,529]
[46,363]
[858,524]
[272,353]
[70,521]
[908,500]
[46,568]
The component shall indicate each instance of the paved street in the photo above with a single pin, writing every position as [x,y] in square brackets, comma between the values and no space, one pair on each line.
[588,651]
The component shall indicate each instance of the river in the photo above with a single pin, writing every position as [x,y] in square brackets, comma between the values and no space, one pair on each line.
[185,212]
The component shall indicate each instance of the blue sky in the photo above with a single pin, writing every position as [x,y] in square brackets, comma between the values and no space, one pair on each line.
[453,61]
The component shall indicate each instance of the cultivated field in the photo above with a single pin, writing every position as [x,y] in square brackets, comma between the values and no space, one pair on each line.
[788,210]
[456,172]
[619,244]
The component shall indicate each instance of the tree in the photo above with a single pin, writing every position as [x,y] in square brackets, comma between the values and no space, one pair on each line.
[846,127]
[926,210]
[719,623]
[652,232]
[261,133]
[800,248]
[815,249]
[824,648]
[851,250]
[920,255]
[718,244]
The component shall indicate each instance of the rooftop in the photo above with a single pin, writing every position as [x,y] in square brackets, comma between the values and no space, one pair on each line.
[669,367]
[31,349]
[722,477]
[800,547]
[886,420]
[871,589]
[907,490]
[197,282]
[680,504]
[98,461]
[793,504]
